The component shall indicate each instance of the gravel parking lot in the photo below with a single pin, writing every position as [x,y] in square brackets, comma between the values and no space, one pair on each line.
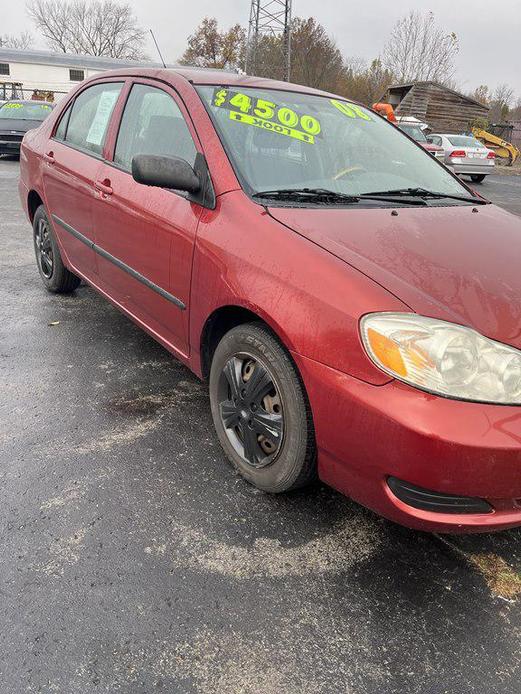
[133,559]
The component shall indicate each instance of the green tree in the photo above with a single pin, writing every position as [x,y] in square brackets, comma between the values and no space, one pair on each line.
[316,60]
[365,83]
[210,47]
[481,94]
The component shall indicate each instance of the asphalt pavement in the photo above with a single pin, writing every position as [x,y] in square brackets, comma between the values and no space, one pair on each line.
[134,560]
[503,190]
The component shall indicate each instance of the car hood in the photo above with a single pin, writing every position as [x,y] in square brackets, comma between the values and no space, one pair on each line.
[19,124]
[444,262]
[431,147]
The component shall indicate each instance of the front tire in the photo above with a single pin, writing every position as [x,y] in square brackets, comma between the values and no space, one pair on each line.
[54,275]
[260,410]
[478,178]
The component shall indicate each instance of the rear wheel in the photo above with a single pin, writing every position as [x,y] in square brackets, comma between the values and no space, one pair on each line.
[54,274]
[260,410]
[478,178]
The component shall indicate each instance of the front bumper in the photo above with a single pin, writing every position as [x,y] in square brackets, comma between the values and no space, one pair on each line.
[366,434]
[10,146]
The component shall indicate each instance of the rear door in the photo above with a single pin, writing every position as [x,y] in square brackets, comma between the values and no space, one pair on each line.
[146,235]
[72,160]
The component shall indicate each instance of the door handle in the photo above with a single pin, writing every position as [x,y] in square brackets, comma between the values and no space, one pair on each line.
[103,186]
[49,157]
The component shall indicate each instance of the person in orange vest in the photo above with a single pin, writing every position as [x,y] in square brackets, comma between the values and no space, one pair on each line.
[385,110]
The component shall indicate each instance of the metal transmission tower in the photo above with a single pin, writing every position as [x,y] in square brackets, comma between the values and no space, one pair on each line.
[271,19]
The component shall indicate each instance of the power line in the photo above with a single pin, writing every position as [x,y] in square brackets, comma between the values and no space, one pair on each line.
[272,19]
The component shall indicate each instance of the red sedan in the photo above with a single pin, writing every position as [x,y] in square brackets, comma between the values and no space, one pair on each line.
[355,307]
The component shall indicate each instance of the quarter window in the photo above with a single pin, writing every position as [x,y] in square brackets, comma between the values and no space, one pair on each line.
[152,123]
[4,69]
[61,130]
[90,116]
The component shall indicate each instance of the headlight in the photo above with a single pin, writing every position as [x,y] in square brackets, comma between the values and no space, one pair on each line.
[443,358]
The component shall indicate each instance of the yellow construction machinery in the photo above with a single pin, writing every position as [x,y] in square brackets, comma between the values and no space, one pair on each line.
[502,148]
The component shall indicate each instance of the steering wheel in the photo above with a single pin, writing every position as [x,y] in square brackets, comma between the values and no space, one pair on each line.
[350,169]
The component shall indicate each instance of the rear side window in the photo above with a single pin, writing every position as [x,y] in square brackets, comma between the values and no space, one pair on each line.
[90,116]
[152,123]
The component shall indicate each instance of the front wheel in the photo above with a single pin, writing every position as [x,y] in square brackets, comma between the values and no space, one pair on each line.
[54,274]
[260,410]
[478,178]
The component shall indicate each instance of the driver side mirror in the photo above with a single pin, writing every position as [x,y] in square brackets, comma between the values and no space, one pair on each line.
[165,172]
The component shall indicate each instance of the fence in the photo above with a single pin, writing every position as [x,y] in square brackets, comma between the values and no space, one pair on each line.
[15,90]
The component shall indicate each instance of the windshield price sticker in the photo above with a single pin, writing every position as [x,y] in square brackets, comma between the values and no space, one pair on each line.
[267,115]
[350,110]
[8,105]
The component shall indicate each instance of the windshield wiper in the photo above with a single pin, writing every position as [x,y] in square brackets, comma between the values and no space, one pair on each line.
[322,194]
[423,194]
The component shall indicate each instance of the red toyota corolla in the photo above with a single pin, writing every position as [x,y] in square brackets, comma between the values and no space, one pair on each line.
[355,307]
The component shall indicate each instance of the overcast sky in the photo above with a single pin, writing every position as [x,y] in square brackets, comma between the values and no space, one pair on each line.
[490,42]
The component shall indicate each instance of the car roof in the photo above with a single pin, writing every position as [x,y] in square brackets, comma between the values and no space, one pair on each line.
[211,76]
[28,101]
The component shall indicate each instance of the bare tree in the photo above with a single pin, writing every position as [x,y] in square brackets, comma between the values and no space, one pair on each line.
[418,49]
[23,41]
[96,27]
[500,103]
[515,113]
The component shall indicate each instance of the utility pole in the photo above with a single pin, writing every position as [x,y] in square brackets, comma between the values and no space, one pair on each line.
[272,19]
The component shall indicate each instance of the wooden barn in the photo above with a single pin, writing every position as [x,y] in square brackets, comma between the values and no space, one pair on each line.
[444,109]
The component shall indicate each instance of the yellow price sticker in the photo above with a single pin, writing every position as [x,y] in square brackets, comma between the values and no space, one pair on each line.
[267,115]
[272,127]
[350,110]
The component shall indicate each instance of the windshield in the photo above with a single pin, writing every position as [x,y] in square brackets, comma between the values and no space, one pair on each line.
[24,111]
[464,141]
[414,131]
[281,140]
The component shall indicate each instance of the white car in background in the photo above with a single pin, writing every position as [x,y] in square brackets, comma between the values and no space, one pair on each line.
[466,155]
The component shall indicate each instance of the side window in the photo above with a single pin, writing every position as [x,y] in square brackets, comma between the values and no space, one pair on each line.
[61,130]
[435,139]
[90,116]
[152,123]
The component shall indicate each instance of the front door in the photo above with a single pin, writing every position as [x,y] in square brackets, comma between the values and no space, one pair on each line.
[72,162]
[145,236]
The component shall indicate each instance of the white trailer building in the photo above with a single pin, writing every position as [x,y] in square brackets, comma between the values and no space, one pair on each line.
[51,72]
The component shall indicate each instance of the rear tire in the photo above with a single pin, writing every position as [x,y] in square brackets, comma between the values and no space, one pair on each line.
[478,178]
[260,410]
[55,276]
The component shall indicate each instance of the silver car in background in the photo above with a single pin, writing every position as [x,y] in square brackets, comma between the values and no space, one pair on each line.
[466,155]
